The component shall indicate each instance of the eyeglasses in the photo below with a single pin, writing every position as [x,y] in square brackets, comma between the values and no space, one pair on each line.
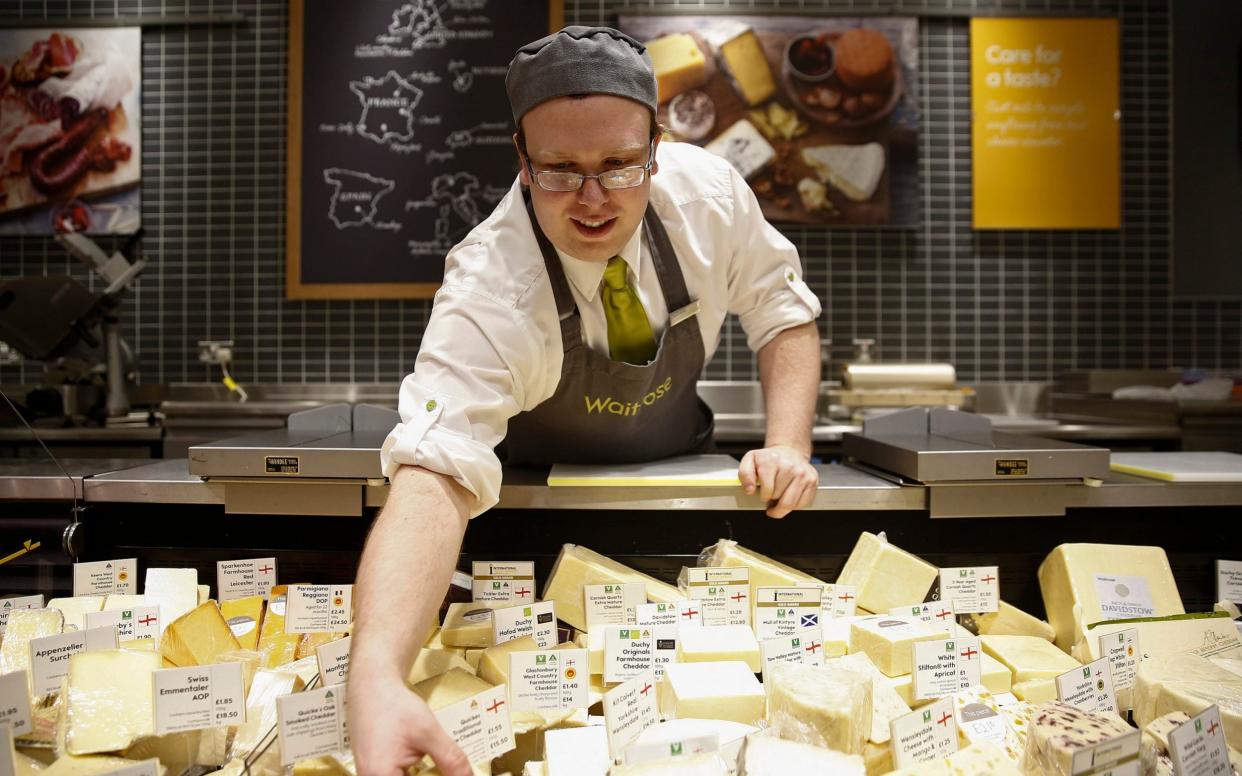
[621,178]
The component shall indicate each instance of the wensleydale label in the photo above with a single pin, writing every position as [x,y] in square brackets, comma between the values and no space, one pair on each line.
[928,733]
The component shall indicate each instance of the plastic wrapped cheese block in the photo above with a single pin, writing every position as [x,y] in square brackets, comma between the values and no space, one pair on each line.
[713,643]
[979,720]
[198,637]
[1028,657]
[75,609]
[1188,683]
[687,765]
[765,755]
[261,709]
[309,643]
[244,616]
[886,576]
[24,625]
[726,690]
[889,640]
[430,662]
[577,751]
[91,765]
[577,566]
[1086,583]
[278,647]
[730,735]
[1009,620]
[174,591]
[467,625]
[110,700]
[982,759]
[1059,730]
[819,705]
[764,572]
[886,704]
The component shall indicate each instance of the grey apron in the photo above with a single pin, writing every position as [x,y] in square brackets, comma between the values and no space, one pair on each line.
[606,411]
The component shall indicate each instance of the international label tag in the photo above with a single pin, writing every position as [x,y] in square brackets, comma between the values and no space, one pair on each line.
[507,582]
[972,589]
[15,701]
[480,724]
[106,577]
[1122,598]
[537,620]
[1089,687]
[17,602]
[1114,751]
[927,733]
[49,656]
[552,680]
[1121,650]
[839,601]
[658,613]
[943,667]
[629,709]
[8,755]
[198,697]
[629,650]
[318,608]
[312,723]
[939,613]
[665,651]
[140,622]
[144,768]
[784,611]
[613,604]
[244,578]
[1229,581]
[685,746]
[805,647]
[1198,747]
[333,660]
[722,591]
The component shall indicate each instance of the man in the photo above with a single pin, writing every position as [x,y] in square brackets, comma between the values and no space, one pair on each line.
[572,325]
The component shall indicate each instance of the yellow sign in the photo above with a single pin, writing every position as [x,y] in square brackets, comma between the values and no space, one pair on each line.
[1046,123]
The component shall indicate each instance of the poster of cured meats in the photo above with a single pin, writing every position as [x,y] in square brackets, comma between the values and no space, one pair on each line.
[70,130]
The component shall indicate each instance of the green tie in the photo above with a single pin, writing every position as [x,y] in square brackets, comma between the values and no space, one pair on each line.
[629,332]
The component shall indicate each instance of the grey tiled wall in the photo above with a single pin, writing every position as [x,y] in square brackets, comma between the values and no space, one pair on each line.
[1001,306]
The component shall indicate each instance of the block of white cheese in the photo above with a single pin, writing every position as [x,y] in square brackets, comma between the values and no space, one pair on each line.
[1188,683]
[979,720]
[744,147]
[764,571]
[110,700]
[494,664]
[1009,620]
[577,566]
[24,625]
[75,609]
[430,662]
[577,751]
[726,690]
[886,704]
[886,576]
[122,601]
[174,591]
[729,735]
[529,730]
[684,765]
[1086,583]
[713,643]
[821,705]
[449,687]
[764,755]
[467,625]
[1028,657]
[1036,691]
[853,169]
[836,633]
[889,640]
[982,759]
[1059,730]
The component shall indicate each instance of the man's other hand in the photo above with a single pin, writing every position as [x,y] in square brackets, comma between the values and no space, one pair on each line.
[782,476]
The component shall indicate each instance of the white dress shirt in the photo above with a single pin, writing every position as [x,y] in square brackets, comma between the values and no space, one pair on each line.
[492,347]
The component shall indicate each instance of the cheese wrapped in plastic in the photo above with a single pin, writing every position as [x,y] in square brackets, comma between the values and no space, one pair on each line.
[577,566]
[75,609]
[726,690]
[886,703]
[174,591]
[886,576]
[430,662]
[244,616]
[91,765]
[24,625]
[982,759]
[1188,683]
[277,646]
[110,700]
[1009,620]
[979,720]
[1058,731]
[818,705]
[267,686]
[765,755]
[764,571]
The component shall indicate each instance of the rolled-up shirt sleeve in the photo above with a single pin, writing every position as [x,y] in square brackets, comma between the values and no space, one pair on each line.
[767,290]
[471,376]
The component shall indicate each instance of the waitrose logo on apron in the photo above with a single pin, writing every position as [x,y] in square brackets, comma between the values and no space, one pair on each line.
[614,407]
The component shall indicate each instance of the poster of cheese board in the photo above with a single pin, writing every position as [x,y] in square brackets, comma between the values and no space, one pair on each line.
[70,130]
[818,113]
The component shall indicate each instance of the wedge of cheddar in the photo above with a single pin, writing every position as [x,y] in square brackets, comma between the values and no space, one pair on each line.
[494,664]
[1009,620]
[110,700]
[431,662]
[577,566]
[449,687]
[468,625]
[764,571]
[277,646]
[886,576]
[748,67]
[198,637]
[679,65]
[829,706]
[244,616]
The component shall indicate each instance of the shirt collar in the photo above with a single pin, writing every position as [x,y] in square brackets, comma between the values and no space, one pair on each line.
[587,276]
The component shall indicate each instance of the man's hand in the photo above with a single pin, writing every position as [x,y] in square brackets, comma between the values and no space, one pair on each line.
[391,729]
[783,476]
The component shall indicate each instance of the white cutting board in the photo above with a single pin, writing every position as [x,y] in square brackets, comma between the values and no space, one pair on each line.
[689,471]
[1180,467]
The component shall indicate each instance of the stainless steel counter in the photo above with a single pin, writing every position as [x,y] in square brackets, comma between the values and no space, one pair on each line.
[42,480]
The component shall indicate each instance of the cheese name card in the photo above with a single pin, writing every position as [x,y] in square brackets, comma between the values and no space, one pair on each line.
[198,697]
[537,620]
[722,591]
[615,604]
[1198,747]
[481,724]
[658,613]
[549,679]
[947,666]
[805,647]
[1089,687]
[972,589]
[628,651]
[510,582]
[783,611]
[49,656]
[312,723]
[629,709]
[106,577]
[245,578]
[333,660]
[318,608]
[1229,581]
[940,613]
[1121,650]
[140,622]
[840,600]
[927,733]
[15,702]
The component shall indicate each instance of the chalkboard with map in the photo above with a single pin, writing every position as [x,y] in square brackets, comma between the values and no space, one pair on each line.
[399,137]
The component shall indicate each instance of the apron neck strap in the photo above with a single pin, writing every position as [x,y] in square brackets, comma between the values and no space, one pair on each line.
[668,269]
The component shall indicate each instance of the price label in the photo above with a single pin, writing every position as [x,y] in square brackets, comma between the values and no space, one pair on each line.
[685,746]
[1121,650]
[805,648]
[928,733]
[553,679]
[659,613]
[613,604]
[1198,747]
[49,656]
[629,709]
[1089,687]
[944,667]
[106,577]
[198,697]
[480,724]
[141,622]
[333,660]
[840,601]
[783,611]
[18,602]
[505,582]
[312,723]
[244,578]
[318,608]
[1229,581]
[628,651]
[972,589]
[537,620]
[722,591]
[665,651]
[15,701]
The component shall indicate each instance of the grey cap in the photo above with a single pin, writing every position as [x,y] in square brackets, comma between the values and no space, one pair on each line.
[580,60]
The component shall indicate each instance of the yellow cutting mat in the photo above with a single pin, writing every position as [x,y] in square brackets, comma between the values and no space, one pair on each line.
[712,471]
[1180,467]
